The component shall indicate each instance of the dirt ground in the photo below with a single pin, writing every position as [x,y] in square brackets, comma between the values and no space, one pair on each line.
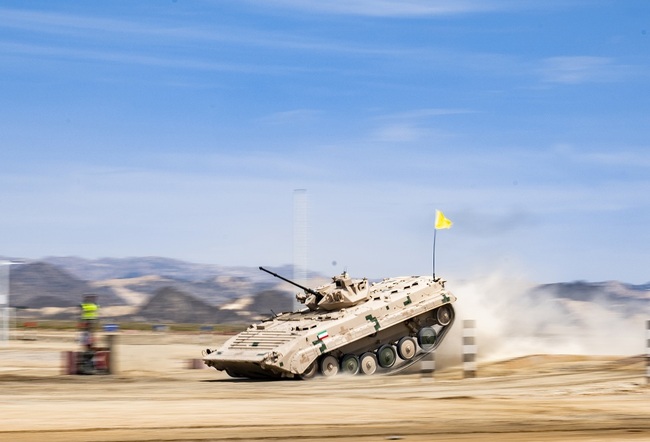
[156,397]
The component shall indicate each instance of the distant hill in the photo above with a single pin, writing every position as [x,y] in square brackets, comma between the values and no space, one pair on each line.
[214,291]
[214,285]
[119,268]
[39,284]
[627,299]
[271,301]
[161,289]
[170,304]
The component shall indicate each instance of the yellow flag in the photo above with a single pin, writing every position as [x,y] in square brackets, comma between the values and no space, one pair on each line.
[441,221]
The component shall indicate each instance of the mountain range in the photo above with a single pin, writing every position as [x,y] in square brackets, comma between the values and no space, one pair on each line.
[147,289]
[154,289]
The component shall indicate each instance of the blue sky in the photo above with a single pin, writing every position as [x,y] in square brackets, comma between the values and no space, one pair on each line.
[182,128]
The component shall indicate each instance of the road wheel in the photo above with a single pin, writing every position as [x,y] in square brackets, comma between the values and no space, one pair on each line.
[368,363]
[406,348]
[386,356]
[329,366]
[310,372]
[443,315]
[350,364]
[426,337]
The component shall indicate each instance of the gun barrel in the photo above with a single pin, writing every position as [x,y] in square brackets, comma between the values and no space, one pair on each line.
[307,289]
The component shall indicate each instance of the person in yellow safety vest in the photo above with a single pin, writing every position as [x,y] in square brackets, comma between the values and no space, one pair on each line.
[89,311]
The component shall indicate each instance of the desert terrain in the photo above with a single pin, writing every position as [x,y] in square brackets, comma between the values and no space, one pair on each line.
[155,395]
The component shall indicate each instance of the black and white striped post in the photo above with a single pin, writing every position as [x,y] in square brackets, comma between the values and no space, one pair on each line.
[469,348]
[647,352]
[428,366]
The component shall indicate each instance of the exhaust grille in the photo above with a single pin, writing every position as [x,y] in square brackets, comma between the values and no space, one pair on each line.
[263,340]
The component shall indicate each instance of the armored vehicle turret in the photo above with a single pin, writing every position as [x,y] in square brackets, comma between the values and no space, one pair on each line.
[349,325]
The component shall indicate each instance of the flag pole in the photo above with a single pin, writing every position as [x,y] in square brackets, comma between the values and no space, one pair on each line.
[440,223]
[434,252]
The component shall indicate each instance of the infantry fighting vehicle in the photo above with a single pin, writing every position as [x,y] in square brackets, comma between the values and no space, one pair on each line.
[349,325]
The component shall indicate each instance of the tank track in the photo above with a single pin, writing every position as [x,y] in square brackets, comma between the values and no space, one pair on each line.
[400,365]
[423,352]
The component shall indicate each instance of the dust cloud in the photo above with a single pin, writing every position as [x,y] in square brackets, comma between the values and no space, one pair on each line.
[514,320]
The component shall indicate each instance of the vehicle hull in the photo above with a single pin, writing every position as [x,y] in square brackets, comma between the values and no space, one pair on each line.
[288,345]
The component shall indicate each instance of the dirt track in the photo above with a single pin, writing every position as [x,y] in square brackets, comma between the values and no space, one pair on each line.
[537,398]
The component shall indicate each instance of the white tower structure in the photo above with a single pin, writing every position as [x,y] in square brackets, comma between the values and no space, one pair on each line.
[4,302]
[300,238]
[5,268]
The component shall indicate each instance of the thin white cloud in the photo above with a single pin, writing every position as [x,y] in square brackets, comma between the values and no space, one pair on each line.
[135,58]
[581,69]
[398,133]
[291,116]
[416,114]
[411,125]
[395,8]
[636,157]
[43,21]
[93,27]
[88,28]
